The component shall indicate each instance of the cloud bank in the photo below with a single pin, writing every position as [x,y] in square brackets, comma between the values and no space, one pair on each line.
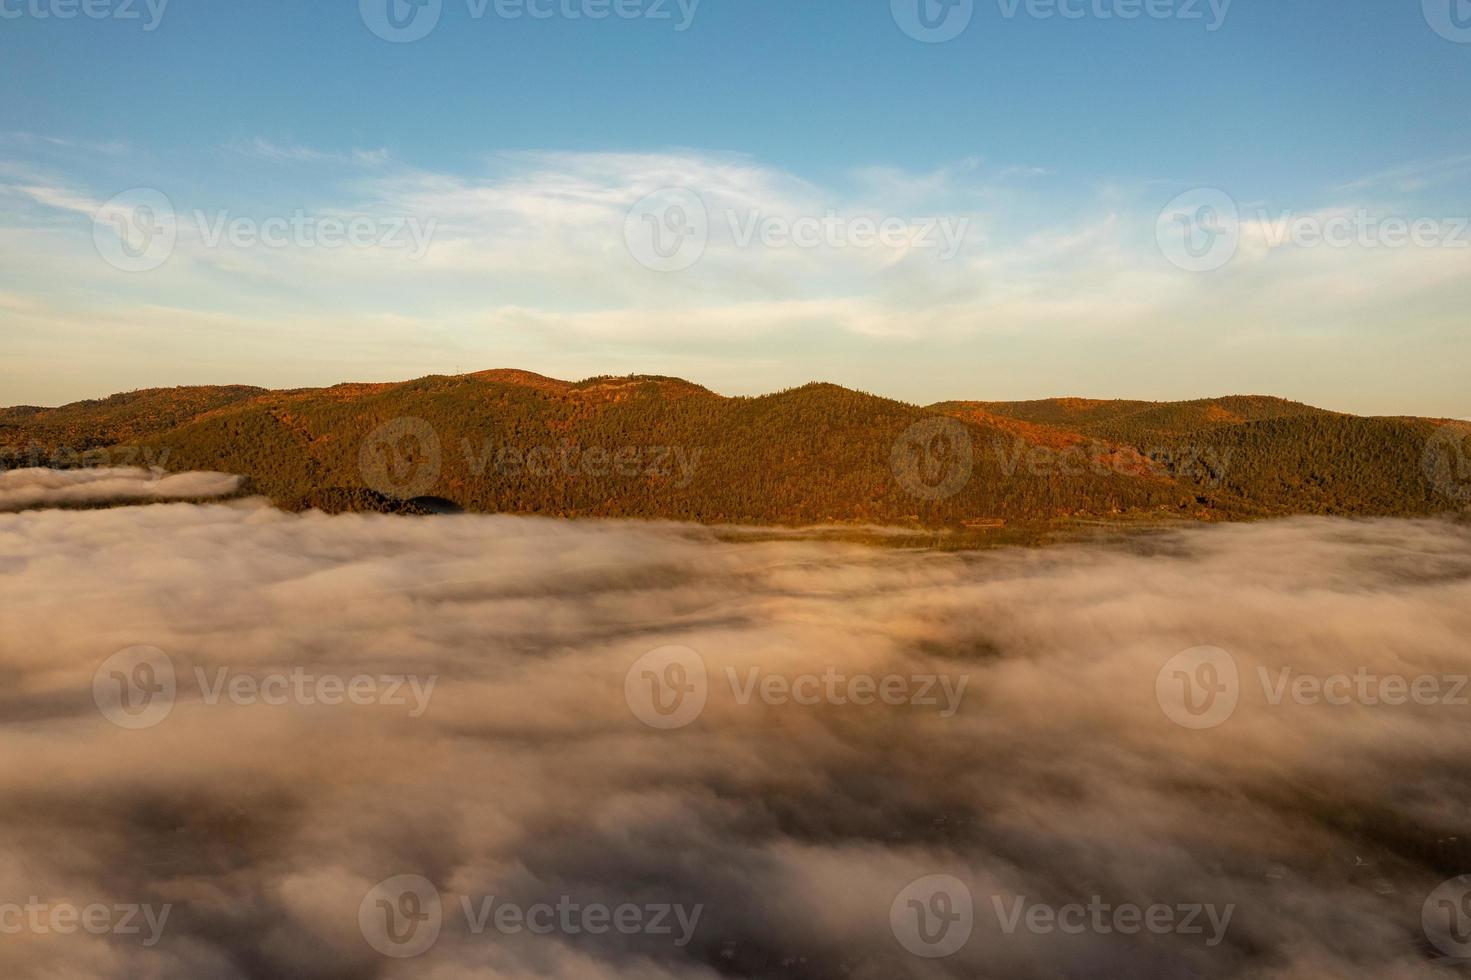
[793,827]
[39,487]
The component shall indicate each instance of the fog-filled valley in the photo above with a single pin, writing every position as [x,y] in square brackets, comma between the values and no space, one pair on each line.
[342,746]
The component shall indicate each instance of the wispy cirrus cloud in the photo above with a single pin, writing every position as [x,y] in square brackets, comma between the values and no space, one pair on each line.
[530,253]
[1413,176]
[56,196]
[33,140]
[264,149]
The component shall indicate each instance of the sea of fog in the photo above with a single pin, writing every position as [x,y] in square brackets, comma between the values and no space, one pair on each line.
[240,743]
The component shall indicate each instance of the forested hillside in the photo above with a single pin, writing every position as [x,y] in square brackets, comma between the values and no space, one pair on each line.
[652,447]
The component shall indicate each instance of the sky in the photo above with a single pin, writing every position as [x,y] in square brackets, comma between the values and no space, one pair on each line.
[992,199]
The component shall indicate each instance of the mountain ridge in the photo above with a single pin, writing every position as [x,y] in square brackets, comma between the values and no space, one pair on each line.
[513,441]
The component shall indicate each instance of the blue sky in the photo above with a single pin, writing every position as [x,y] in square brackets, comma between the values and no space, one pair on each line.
[1055,140]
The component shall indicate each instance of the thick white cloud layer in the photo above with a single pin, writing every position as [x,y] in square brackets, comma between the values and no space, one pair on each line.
[794,827]
[38,487]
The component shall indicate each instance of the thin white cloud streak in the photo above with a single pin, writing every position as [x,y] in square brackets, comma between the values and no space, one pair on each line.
[1413,176]
[36,487]
[33,140]
[264,149]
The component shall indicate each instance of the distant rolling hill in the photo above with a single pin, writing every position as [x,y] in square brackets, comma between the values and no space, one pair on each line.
[654,447]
